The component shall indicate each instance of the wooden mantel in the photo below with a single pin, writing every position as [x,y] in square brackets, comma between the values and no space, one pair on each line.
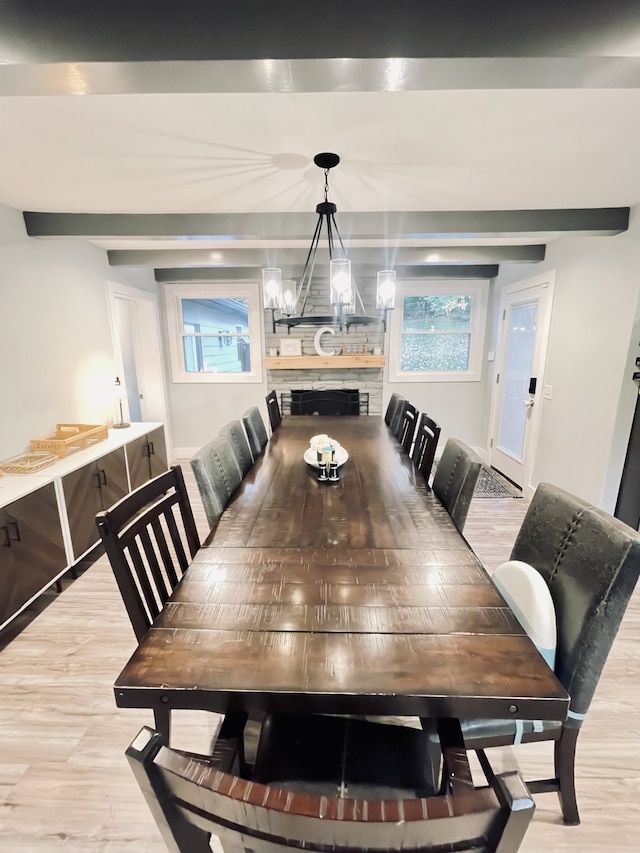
[318,362]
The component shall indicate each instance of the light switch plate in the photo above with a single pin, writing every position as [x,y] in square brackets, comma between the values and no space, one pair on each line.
[547,392]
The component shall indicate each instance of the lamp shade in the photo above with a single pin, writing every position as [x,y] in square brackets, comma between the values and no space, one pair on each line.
[340,282]
[272,287]
[288,296]
[386,289]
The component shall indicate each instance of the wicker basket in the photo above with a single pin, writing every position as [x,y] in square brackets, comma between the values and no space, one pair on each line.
[28,463]
[70,437]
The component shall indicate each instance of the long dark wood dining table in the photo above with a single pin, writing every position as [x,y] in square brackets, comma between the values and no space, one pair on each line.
[358,596]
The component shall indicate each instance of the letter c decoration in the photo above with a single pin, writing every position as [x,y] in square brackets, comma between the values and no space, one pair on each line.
[316,341]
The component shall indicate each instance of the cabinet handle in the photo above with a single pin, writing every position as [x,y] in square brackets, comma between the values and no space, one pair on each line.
[150,450]
[16,529]
[7,541]
[101,478]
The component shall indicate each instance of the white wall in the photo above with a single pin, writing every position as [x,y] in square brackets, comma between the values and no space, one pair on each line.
[58,365]
[55,338]
[593,342]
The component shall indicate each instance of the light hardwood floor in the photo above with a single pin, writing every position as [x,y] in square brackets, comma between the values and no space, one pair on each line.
[65,784]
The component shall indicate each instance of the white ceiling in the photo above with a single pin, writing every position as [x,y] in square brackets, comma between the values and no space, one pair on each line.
[103,137]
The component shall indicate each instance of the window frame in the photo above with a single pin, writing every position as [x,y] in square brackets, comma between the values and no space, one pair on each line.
[174,293]
[478,291]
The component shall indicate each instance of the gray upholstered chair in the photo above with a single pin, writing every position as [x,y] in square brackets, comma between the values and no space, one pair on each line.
[256,430]
[236,433]
[455,479]
[590,561]
[217,475]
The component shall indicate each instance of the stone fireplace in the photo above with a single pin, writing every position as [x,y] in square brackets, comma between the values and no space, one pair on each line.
[305,376]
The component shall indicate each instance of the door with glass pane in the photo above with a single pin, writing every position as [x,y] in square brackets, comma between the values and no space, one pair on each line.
[525,315]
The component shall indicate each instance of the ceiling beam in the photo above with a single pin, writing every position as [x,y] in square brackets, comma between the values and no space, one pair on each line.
[454,271]
[379,257]
[74,31]
[388,225]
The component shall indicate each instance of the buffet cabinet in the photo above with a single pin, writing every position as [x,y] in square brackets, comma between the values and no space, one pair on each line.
[47,520]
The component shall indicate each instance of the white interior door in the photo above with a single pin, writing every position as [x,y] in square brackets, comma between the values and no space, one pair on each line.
[525,313]
[137,350]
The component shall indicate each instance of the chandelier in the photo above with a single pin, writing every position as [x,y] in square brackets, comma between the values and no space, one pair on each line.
[284,297]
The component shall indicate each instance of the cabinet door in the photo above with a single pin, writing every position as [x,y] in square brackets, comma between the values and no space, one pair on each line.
[83,500]
[91,488]
[32,550]
[147,457]
[112,477]
[138,459]
[157,452]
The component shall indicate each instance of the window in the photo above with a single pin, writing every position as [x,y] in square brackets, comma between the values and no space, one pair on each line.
[215,332]
[437,332]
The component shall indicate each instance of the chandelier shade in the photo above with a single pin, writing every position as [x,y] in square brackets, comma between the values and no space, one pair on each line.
[344,297]
[386,290]
[272,288]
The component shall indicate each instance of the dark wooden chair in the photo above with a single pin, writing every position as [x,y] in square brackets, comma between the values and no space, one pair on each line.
[273,409]
[193,797]
[455,479]
[256,430]
[217,474]
[394,402]
[590,562]
[240,445]
[396,420]
[407,427]
[425,445]
[150,538]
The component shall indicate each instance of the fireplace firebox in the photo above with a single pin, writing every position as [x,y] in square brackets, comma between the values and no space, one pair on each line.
[344,401]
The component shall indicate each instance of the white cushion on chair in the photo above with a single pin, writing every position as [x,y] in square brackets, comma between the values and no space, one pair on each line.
[526,592]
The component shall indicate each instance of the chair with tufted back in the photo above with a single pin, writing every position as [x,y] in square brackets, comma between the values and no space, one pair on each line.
[455,479]
[256,430]
[236,433]
[590,562]
[217,475]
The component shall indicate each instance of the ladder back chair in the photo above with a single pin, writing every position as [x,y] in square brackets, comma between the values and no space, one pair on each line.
[455,479]
[150,538]
[273,409]
[408,427]
[590,562]
[193,797]
[217,475]
[256,430]
[394,401]
[396,420]
[241,449]
[425,446]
